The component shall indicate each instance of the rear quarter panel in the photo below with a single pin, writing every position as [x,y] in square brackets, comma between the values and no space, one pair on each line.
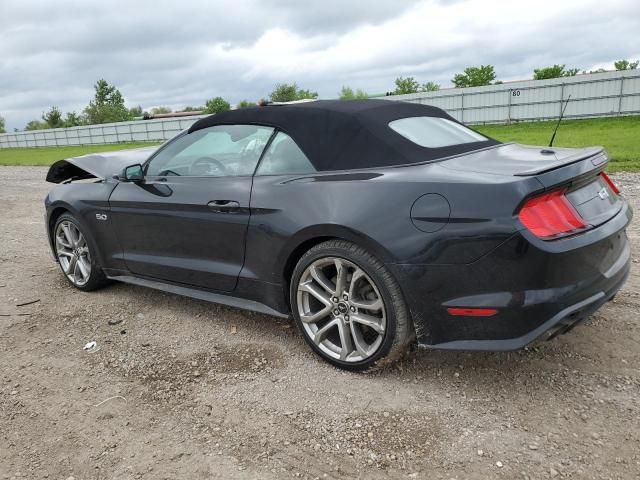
[372,208]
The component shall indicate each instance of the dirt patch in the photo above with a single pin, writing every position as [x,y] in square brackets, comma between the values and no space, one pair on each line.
[186,389]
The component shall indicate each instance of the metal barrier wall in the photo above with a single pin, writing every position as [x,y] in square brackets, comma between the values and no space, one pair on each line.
[592,95]
[135,131]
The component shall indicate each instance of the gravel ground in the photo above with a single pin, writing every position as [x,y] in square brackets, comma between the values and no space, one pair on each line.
[186,389]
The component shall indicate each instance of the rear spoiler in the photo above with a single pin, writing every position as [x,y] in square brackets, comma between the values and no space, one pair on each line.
[597,154]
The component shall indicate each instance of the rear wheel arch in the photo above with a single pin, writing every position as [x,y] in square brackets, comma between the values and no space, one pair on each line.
[309,238]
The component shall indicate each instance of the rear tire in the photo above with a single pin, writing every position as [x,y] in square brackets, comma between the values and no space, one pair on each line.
[348,306]
[76,255]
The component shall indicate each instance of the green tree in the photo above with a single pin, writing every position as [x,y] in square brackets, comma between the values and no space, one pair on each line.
[217,105]
[626,65]
[160,110]
[36,125]
[430,87]
[347,93]
[475,76]
[554,71]
[192,109]
[406,85]
[289,92]
[2,125]
[53,118]
[107,105]
[72,119]
[136,112]
[245,104]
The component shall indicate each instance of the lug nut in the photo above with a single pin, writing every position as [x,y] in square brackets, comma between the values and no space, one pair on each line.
[345,297]
[353,309]
[346,318]
[335,299]
[336,312]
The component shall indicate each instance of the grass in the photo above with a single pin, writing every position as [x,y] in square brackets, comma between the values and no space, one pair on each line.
[620,136]
[48,155]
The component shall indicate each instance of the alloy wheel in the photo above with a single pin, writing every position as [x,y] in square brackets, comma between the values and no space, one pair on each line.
[341,309]
[73,253]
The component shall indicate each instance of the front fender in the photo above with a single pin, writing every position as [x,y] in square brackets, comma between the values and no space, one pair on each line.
[84,201]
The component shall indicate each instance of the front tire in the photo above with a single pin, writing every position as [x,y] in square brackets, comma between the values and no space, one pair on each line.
[75,256]
[348,306]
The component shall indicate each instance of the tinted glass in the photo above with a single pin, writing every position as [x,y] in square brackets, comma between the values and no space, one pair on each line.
[434,132]
[223,150]
[284,157]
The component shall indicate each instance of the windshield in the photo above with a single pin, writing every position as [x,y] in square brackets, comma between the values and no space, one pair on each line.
[435,132]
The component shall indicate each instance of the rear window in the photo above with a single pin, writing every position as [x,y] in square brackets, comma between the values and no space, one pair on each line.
[435,132]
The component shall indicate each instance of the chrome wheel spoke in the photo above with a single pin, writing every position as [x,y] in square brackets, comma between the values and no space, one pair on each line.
[71,266]
[316,292]
[341,276]
[322,280]
[357,274]
[370,321]
[322,333]
[68,234]
[346,342]
[372,305]
[360,345]
[315,317]
[84,268]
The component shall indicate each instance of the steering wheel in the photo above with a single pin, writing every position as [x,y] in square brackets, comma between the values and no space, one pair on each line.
[208,166]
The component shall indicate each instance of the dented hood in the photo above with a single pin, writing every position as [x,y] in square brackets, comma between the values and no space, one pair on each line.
[97,165]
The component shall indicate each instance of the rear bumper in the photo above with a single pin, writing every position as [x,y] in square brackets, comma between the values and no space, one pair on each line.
[540,289]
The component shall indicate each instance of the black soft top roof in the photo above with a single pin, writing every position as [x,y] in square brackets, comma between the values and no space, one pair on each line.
[344,135]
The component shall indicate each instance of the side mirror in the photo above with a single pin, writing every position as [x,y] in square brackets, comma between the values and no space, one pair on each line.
[132,173]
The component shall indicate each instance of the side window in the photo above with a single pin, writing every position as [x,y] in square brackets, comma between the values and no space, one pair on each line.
[220,151]
[284,157]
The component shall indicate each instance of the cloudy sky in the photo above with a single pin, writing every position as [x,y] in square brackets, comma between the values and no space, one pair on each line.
[181,53]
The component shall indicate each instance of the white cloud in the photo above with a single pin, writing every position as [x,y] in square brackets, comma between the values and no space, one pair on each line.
[163,53]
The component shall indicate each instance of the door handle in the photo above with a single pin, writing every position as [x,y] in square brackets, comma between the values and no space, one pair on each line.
[223,206]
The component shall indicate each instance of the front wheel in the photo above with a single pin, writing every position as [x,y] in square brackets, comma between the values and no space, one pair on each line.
[348,306]
[74,255]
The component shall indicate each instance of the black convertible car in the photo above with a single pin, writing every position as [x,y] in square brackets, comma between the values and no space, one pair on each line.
[372,222]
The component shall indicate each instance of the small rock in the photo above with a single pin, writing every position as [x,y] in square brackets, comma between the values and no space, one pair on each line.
[14,392]
[533,446]
[140,316]
[234,329]
[595,435]
[499,464]
[480,453]
[114,321]
[553,472]
[196,373]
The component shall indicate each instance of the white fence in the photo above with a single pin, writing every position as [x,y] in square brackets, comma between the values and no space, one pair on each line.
[136,131]
[592,95]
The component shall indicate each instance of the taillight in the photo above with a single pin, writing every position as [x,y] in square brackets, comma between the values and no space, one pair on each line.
[550,215]
[612,185]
